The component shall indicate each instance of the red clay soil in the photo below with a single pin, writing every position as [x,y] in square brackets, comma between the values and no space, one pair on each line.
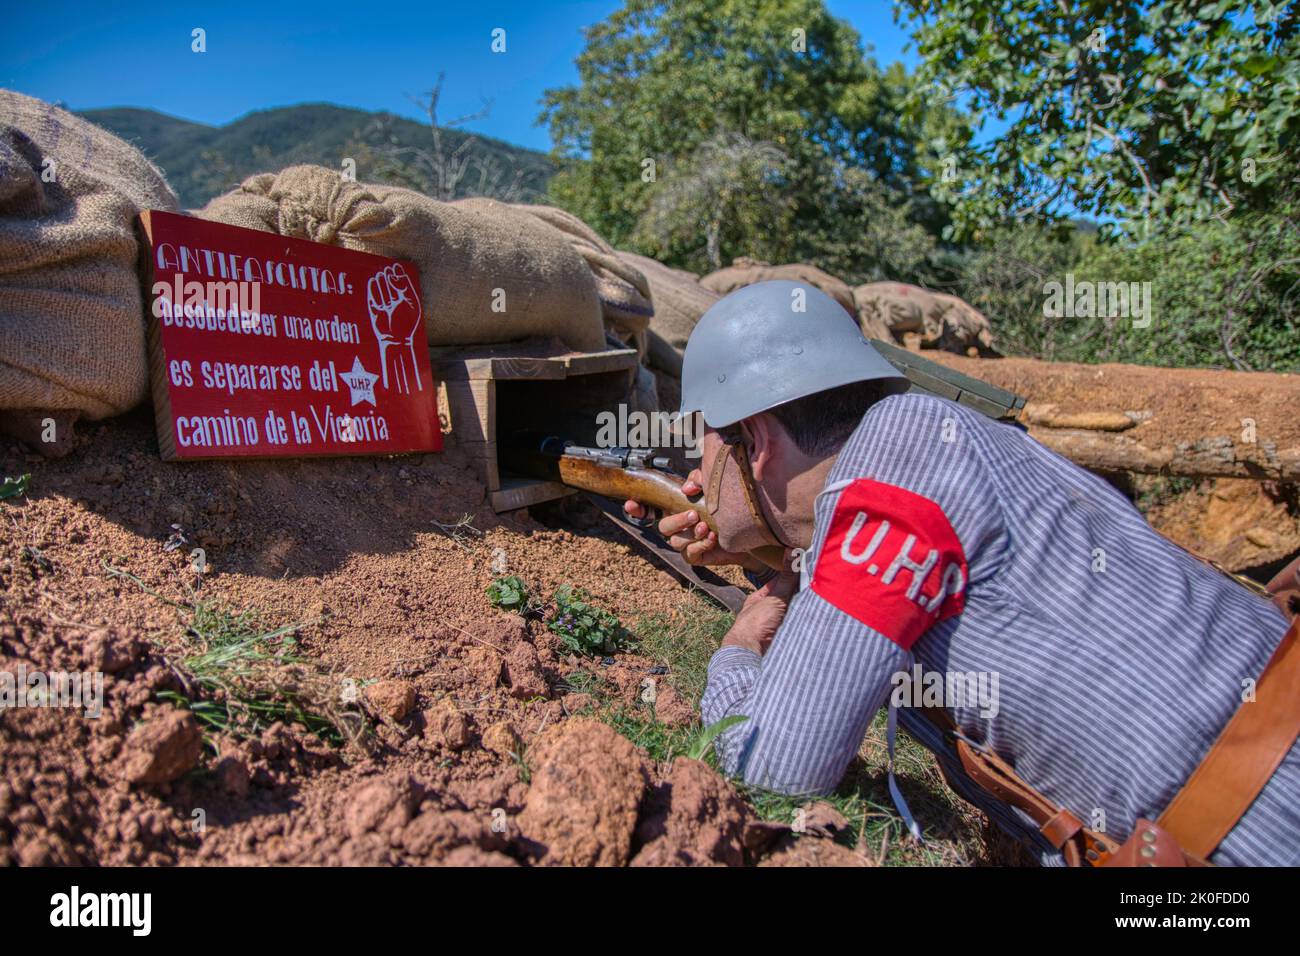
[372,553]
[369,550]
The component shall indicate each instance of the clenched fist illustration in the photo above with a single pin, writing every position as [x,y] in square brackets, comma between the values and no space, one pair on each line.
[395,314]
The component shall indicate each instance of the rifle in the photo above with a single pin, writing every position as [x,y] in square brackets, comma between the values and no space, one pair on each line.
[618,473]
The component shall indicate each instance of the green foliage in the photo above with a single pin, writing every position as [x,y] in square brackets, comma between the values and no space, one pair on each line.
[14,487]
[582,626]
[1226,295]
[1151,115]
[752,112]
[511,594]
[684,642]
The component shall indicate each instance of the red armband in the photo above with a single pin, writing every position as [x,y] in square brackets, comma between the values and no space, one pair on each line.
[892,561]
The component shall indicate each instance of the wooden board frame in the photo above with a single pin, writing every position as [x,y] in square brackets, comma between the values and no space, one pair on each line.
[470,377]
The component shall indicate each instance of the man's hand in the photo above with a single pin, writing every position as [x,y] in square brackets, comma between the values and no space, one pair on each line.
[691,536]
[762,614]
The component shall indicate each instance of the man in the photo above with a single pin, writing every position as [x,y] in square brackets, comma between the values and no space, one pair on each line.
[925,533]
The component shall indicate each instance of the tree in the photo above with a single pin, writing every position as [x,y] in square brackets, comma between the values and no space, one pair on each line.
[1145,115]
[445,169]
[733,190]
[666,86]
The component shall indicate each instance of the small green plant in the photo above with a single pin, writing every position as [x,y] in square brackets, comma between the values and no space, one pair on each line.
[703,741]
[512,594]
[14,487]
[582,626]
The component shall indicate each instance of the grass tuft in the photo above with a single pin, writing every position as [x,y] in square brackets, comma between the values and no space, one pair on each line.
[239,677]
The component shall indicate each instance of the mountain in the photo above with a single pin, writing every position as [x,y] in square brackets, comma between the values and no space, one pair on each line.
[202,161]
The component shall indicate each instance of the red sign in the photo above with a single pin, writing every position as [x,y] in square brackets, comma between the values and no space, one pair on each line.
[265,346]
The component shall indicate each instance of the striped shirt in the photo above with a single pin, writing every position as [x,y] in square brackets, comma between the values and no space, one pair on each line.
[1116,656]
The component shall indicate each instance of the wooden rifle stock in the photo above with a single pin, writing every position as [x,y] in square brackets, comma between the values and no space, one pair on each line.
[656,489]
[619,473]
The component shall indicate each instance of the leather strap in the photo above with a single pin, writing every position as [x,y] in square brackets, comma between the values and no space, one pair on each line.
[994,775]
[1149,845]
[1243,758]
[713,491]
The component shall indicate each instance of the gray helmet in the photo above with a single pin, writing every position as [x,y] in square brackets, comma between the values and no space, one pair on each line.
[755,349]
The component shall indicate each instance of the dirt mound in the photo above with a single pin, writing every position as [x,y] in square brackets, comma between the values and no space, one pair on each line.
[383,563]
[582,807]
[694,818]
[1236,522]
[812,851]
[1183,421]
[162,748]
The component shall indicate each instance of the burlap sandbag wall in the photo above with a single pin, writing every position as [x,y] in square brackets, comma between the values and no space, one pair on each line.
[472,254]
[623,290]
[743,272]
[72,320]
[933,320]
[679,300]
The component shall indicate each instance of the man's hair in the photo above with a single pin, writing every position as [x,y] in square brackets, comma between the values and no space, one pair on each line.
[820,424]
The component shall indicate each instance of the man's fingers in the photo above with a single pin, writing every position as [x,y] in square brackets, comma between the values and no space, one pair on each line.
[634,508]
[678,523]
[697,551]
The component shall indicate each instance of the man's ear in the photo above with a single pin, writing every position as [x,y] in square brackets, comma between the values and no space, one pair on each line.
[759,441]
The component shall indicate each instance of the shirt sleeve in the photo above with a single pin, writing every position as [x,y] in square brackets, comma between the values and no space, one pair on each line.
[809,700]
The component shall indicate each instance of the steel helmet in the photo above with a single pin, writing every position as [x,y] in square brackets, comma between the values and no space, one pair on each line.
[770,343]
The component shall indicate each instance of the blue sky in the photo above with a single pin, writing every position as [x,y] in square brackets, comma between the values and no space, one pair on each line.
[368,55]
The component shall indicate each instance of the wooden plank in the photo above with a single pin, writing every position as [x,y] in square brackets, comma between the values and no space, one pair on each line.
[473,410]
[482,456]
[516,493]
[589,363]
[547,359]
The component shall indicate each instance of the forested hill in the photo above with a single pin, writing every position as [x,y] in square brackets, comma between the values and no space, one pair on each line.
[202,161]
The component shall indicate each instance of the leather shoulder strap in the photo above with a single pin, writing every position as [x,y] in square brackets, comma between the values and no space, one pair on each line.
[1243,758]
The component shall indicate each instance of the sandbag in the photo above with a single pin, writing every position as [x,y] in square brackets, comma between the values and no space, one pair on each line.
[623,290]
[72,320]
[679,300]
[743,272]
[472,253]
[924,319]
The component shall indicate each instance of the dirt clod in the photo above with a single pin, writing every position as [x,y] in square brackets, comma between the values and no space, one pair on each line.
[671,708]
[821,819]
[162,748]
[582,807]
[524,672]
[813,852]
[501,738]
[109,650]
[694,818]
[381,806]
[447,726]
[392,698]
